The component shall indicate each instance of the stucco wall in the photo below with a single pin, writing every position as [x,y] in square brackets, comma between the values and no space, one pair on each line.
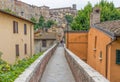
[38,45]
[94,53]
[115,68]
[77,42]
[9,39]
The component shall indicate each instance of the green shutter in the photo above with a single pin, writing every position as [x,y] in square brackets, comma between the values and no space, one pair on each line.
[117,56]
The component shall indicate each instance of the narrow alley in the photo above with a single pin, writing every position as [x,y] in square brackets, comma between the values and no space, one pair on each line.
[58,69]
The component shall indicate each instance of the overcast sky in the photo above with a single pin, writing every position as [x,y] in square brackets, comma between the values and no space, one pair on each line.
[66,3]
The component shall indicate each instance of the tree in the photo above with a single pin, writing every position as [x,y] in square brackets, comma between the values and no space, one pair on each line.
[81,21]
[41,22]
[49,23]
[69,18]
[108,13]
[33,20]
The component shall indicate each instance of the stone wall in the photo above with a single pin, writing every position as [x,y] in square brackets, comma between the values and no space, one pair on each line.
[35,71]
[82,71]
[38,45]
[28,11]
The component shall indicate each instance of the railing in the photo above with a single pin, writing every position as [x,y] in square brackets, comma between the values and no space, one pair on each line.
[35,71]
[82,72]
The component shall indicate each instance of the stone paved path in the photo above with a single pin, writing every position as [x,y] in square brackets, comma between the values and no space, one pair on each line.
[57,69]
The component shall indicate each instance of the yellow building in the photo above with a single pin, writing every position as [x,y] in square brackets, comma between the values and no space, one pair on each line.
[16,37]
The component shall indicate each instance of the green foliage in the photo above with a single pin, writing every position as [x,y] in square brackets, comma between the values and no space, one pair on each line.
[8,73]
[42,23]
[108,13]
[69,18]
[0,54]
[33,20]
[49,23]
[81,21]
[9,11]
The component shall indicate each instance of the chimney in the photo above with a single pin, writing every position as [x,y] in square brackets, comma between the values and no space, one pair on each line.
[74,6]
[95,16]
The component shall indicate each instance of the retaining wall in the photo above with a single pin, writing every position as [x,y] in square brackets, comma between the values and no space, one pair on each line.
[34,72]
[82,72]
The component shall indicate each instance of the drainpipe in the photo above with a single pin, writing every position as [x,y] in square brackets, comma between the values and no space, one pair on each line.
[113,39]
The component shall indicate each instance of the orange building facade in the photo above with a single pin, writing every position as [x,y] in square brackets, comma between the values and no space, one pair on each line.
[102,46]
[77,42]
[102,52]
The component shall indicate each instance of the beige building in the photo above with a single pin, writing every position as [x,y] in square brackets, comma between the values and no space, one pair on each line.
[17,37]
[43,41]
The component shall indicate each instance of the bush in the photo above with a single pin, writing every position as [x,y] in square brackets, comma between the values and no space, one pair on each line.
[8,73]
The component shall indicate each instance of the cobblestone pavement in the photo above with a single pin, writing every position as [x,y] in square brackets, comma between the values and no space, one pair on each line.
[57,69]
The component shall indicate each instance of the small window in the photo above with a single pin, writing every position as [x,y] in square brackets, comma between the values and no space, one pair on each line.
[117,56]
[43,43]
[17,49]
[95,44]
[25,29]
[15,27]
[22,13]
[25,48]
[100,56]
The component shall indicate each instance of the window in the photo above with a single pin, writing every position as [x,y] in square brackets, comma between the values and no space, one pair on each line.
[43,43]
[15,27]
[95,44]
[117,56]
[22,13]
[100,56]
[25,48]
[17,49]
[25,29]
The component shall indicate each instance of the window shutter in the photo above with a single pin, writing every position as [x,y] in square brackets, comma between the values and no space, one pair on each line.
[17,50]
[44,43]
[117,56]
[13,26]
[25,48]
[17,27]
[25,29]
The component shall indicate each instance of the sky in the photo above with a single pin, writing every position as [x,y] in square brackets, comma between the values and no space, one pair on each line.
[66,3]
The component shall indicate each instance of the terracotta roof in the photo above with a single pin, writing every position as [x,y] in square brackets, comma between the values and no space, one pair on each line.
[112,28]
[47,36]
[2,11]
